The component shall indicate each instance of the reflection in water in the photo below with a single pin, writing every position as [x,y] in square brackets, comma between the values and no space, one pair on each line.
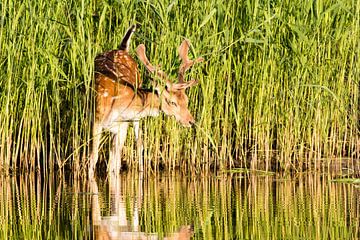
[116,224]
[137,207]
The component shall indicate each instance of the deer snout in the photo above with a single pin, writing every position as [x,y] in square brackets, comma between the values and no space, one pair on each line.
[188,122]
[192,121]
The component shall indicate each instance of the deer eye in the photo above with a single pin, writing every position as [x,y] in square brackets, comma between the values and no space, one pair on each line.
[171,103]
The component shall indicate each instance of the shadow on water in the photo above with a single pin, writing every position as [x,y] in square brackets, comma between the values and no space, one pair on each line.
[172,207]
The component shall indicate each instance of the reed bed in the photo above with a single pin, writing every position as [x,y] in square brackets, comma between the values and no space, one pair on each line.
[279,89]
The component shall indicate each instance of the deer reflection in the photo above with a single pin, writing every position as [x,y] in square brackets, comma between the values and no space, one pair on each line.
[117,224]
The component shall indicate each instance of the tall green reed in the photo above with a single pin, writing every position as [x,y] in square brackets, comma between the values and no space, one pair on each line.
[279,89]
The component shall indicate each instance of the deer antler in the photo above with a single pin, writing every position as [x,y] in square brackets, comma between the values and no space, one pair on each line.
[140,50]
[185,65]
[186,62]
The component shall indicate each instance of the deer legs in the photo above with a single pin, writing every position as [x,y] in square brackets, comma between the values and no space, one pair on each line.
[139,145]
[116,148]
[97,129]
[117,144]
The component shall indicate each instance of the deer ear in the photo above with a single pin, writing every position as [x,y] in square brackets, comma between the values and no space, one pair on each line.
[163,89]
[193,82]
[157,90]
[183,85]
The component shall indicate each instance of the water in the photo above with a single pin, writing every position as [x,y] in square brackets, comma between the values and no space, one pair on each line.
[173,207]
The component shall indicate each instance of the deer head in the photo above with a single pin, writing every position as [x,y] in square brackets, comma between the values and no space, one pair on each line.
[174,101]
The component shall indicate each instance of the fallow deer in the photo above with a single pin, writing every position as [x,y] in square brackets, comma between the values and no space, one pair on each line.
[121,99]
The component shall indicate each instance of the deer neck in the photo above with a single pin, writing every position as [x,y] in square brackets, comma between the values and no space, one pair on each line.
[151,102]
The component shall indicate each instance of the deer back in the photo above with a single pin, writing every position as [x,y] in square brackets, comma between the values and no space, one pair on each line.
[118,66]
[116,79]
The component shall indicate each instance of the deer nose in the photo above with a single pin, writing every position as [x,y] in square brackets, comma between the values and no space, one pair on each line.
[188,123]
[191,123]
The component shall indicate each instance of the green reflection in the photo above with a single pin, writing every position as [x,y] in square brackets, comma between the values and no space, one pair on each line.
[170,207]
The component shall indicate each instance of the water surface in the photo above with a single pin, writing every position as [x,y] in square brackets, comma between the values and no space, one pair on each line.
[173,207]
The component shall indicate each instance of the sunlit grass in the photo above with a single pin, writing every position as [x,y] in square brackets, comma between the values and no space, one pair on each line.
[279,89]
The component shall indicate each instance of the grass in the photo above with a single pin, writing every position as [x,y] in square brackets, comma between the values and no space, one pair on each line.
[279,89]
